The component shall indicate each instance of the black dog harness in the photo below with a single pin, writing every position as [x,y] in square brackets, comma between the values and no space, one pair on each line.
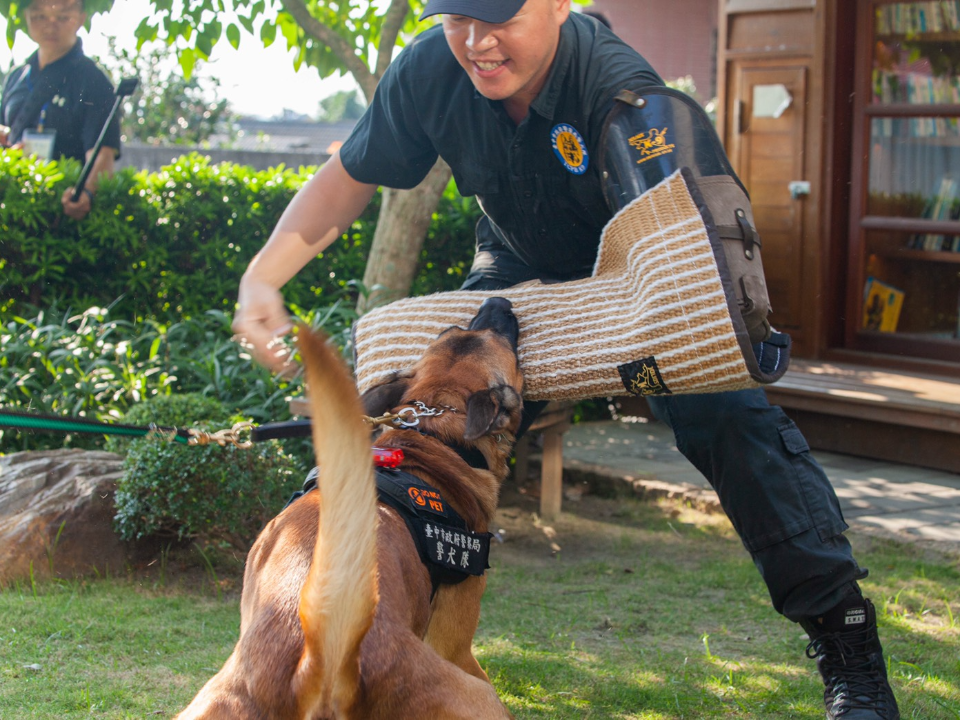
[450,550]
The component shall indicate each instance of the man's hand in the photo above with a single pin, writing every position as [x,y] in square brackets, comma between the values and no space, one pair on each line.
[261,322]
[77,210]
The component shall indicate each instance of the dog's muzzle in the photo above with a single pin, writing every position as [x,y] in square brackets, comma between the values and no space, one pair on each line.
[496,314]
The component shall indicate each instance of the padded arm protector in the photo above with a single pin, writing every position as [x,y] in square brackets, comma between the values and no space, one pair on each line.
[646,138]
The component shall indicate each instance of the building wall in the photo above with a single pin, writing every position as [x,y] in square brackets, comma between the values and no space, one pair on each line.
[152,158]
[678,37]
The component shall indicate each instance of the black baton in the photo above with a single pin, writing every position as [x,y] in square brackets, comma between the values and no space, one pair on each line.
[126,87]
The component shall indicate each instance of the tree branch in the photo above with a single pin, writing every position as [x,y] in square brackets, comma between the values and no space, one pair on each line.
[318,31]
[392,25]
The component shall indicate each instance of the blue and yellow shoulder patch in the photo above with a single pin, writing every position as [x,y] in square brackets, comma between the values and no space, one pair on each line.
[570,148]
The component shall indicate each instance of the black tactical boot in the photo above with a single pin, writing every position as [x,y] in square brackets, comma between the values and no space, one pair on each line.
[845,644]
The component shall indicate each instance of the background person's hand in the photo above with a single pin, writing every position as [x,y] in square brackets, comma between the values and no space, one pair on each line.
[77,210]
[4,135]
[260,324]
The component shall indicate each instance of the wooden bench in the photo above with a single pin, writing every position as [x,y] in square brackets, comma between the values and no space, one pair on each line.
[552,423]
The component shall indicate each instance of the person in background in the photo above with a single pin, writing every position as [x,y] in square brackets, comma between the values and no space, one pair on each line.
[59,100]
[487,91]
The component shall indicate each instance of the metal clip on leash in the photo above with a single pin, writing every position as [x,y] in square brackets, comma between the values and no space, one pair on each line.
[233,436]
[408,417]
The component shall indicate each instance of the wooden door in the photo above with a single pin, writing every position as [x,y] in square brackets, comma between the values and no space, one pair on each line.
[768,120]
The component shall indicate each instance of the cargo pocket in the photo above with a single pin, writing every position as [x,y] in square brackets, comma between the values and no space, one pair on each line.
[820,496]
[785,492]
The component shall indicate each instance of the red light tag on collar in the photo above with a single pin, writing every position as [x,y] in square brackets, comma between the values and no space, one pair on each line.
[387,457]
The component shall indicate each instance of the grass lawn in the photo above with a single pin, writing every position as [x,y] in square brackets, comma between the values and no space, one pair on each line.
[621,609]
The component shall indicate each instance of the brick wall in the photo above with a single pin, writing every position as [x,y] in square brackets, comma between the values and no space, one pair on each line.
[677,37]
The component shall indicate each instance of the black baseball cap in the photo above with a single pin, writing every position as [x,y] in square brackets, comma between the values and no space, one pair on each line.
[491,11]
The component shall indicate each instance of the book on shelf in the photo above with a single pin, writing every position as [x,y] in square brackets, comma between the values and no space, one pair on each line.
[940,207]
[952,242]
[905,18]
[881,306]
[912,88]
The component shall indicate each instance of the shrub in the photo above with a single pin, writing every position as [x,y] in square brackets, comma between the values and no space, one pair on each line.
[174,244]
[90,365]
[30,233]
[204,493]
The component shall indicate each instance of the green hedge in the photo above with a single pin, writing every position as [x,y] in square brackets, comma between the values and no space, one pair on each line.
[174,244]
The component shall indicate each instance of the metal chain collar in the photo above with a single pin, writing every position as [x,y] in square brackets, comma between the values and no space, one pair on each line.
[408,417]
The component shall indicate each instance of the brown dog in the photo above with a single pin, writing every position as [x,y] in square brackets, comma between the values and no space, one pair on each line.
[337,619]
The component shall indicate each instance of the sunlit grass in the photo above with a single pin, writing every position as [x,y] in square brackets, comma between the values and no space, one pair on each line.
[646,611]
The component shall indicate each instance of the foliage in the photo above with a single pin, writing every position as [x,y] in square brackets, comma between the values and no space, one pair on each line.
[343,105]
[332,36]
[208,493]
[80,366]
[30,218]
[687,85]
[212,219]
[166,108]
[92,366]
[153,240]
[138,297]
[447,252]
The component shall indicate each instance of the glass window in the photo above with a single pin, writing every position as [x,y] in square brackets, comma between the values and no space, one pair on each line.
[915,167]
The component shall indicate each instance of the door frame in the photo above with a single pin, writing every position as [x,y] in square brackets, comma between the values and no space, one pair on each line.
[826,147]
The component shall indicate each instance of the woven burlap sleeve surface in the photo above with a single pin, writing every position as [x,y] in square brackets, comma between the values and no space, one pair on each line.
[656,316]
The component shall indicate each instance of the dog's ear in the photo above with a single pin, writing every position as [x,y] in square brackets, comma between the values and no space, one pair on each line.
[490,411]
[377,400]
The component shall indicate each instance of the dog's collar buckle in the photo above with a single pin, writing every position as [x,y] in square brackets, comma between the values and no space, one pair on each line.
[409,417]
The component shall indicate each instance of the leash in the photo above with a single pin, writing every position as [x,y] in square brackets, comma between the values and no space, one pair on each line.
[242,435]
[237,435]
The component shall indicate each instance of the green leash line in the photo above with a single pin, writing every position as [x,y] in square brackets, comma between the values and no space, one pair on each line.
[242,435]
[54,423]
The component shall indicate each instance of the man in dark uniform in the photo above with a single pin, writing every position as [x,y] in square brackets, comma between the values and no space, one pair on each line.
[61,93]
[502,92]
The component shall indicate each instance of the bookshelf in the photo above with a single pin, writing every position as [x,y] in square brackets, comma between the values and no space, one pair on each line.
[905,180]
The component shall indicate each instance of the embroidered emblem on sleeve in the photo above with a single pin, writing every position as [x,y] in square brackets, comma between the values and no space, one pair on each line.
[570,148]
[642,377]
[652,144]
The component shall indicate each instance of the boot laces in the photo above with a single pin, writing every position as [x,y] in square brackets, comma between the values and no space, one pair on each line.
[850,671]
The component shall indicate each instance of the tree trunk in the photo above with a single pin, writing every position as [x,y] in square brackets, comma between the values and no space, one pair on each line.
[402,226]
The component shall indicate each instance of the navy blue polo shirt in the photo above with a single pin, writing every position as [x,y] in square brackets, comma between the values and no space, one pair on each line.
[538,182]
[74,96]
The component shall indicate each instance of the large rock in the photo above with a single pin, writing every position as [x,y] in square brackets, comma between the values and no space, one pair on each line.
[56,514]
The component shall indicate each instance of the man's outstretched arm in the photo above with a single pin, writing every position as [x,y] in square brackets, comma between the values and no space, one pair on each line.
[320,212]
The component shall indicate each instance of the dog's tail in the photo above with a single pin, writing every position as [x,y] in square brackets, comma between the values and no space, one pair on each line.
[339,598]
